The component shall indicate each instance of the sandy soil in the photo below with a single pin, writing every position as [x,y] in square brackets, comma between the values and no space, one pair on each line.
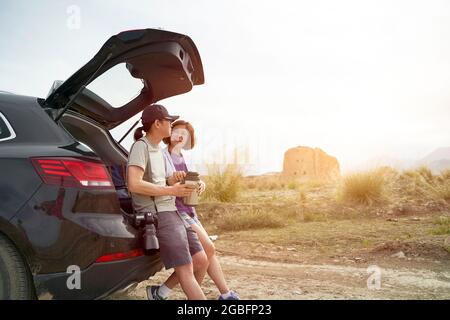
[258,279]
[328,258]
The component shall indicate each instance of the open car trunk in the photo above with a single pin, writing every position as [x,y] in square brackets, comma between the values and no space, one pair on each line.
[168,64]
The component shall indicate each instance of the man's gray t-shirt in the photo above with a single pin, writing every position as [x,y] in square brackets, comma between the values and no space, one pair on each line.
[154,171]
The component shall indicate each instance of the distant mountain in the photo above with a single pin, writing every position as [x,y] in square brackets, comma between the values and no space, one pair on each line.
[436,155]
[397,163]
[439,165]
[437,160]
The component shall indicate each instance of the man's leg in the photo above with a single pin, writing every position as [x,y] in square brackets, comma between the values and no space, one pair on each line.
[175,252]
[199,261]
[189,284]
[214,269]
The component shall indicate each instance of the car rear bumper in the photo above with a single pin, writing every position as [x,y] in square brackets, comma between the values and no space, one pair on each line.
[98,280]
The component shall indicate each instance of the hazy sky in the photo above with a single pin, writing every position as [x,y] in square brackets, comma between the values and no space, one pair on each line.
[359,79]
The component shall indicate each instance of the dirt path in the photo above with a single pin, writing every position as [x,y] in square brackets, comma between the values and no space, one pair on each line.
[331,260]
[254,279]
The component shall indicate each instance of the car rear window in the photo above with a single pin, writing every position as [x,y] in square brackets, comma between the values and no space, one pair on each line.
[6,131]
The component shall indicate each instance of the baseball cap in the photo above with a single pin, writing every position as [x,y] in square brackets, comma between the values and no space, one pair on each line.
[156,112]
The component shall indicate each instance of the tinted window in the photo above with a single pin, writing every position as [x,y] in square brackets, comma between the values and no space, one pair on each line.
[6,131]
[117,86]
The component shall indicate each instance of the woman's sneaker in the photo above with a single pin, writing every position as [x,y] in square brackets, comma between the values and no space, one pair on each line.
[152,293]
[230,296]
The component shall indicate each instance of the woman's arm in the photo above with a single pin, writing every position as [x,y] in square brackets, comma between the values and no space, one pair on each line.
[177,176]
[201,187]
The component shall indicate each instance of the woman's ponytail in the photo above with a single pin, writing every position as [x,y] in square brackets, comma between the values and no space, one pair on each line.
[138,132]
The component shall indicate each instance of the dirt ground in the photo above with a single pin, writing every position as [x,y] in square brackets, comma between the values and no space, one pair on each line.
[407,270]
[379,254]
[254,280]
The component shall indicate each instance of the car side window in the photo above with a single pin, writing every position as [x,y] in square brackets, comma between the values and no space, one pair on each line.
[6,131]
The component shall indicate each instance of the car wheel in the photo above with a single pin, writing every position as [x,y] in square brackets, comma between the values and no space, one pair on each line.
[15,279]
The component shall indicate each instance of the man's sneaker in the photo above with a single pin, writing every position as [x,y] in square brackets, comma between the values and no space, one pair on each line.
[152,293]
[232,296]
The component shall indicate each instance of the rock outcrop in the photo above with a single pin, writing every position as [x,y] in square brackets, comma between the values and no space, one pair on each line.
[305,163]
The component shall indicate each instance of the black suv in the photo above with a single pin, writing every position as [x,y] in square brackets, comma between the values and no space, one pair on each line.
[64,206]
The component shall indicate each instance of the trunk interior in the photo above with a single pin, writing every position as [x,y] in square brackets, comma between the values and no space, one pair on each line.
[102,143]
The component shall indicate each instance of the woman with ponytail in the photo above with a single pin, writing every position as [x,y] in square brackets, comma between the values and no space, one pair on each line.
[153,190]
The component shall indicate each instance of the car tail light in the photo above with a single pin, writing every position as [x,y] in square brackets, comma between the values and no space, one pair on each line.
[73,172]
[120,256]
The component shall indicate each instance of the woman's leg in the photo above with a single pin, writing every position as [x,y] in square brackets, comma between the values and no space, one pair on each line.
[214,268]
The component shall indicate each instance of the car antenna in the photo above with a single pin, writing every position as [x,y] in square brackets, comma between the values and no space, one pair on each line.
[134,125]
[68,104]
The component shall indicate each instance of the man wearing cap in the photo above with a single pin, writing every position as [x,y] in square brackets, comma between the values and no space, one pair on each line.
[153,189]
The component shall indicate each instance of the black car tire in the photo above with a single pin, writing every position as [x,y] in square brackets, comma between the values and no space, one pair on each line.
[15,278]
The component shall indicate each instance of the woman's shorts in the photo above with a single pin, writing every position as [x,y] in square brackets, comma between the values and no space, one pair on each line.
[189,220]
[177,243]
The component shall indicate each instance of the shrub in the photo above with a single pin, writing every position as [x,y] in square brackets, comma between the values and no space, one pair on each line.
[251,185]
[445,175]
[426,174]
[292,185]
[422,183]
[223,184]
[310,216]
[363,188]
[442,226]
[442,190]
[251,219]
